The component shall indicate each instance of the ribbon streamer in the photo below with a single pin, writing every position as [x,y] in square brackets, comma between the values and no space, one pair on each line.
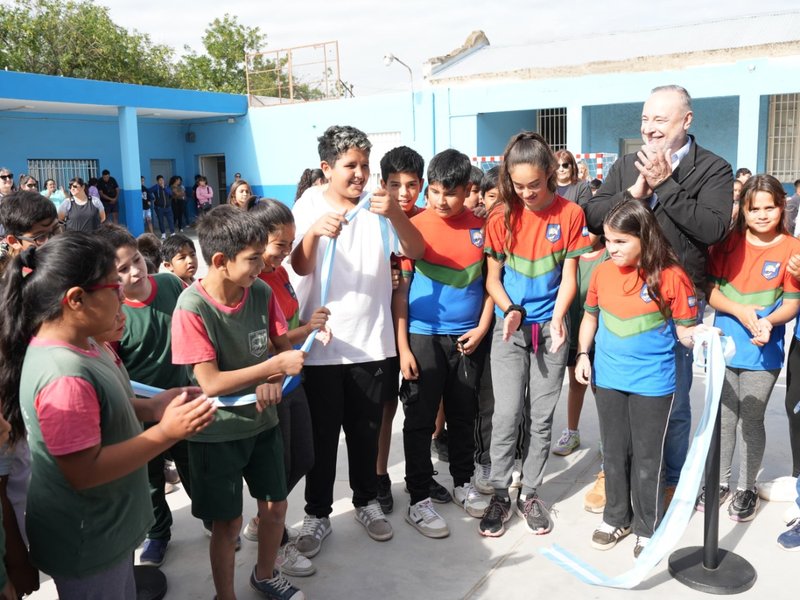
[708,353]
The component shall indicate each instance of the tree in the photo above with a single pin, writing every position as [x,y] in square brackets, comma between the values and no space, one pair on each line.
[78,39]
[222,67]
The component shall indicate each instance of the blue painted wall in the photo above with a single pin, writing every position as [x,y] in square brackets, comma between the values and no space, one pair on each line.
[495,129]
[715,126]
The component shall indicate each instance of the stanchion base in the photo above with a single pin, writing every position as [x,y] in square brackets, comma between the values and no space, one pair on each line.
[733,575]
[151,583]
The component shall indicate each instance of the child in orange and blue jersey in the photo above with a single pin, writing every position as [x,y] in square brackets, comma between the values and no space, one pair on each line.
[532,247]
[754,296]
[636,304]
[441,352]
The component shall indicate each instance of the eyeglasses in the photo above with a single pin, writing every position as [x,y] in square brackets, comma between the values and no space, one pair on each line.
[7,177]
[105,286]
[38,240]
[565,165]
[73,186]
[100,286]
[31,186]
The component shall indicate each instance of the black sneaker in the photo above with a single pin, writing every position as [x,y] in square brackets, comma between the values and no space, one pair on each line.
[606,536]
[724,493]
[439,447]
[385,498]
[744,505]
[276,588]
[497,514]
[534,513]
[439,493]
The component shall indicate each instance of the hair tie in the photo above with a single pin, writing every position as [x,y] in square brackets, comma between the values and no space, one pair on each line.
[28,258]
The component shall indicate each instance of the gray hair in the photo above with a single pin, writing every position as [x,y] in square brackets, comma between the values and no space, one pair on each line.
[338,139]
[686,99]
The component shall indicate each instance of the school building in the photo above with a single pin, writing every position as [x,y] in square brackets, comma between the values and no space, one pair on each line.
[581,94]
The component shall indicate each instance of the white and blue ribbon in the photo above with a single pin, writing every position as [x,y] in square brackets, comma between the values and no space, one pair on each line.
[326,272]
[708,352]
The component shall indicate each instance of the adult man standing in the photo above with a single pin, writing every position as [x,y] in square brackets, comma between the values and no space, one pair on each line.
[690,191]
[109,194]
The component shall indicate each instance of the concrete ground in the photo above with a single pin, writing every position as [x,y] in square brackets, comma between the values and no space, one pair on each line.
[465,565]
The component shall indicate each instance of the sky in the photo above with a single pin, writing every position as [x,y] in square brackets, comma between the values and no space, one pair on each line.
[416,30]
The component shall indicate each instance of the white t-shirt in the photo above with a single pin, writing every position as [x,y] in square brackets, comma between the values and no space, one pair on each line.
[360,292]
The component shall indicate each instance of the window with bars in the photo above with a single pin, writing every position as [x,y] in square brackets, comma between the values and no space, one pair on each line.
[783,137]
[552,126]
[62,170]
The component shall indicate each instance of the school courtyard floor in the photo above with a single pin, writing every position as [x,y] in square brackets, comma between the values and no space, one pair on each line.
[465,565]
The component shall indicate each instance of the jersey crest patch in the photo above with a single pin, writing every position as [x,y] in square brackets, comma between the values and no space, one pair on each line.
[692,300]
[258,342]
[476,236]
[585,231]
[770,269]
[290,289]
[553,233]
[644,295]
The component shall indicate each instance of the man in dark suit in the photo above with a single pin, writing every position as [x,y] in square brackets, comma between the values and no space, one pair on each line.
[690,191]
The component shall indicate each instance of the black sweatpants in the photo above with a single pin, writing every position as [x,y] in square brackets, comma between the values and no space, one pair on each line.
[344,397]
[448,375]
[792,398]
[632,430]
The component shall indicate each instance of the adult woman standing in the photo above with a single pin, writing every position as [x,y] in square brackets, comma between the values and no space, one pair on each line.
[28,183]
[81,212]
[569,187]
[178,201]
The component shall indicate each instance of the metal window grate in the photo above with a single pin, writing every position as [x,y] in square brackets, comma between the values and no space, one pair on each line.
[62,169]
[783,136]
[552,126]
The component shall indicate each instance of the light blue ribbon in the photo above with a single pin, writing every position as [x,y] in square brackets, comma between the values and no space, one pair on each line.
[147,391]
[708,352]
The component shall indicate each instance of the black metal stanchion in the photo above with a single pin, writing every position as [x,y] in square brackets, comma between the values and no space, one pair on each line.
[706,568]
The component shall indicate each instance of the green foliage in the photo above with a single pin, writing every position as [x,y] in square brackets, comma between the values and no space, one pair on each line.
[78,39]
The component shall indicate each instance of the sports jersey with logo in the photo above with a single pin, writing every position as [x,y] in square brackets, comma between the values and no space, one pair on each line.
[634,345]
[447,286]
[753,275]
[542,241]
[146,344]
[236,337]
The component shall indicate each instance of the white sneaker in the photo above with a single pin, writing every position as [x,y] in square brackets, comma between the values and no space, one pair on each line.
[482,479]
[292,533]
[250,531]
[516,475]
[374,521]
[791,513]
[315,529]
[291,562]
[782,489]
[424,518]
[471,500]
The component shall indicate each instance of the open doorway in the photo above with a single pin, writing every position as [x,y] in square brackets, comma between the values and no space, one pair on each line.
[212,167]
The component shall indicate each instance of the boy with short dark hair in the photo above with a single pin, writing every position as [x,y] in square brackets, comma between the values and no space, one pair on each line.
[146,351]
[345,380]
[28,218]
[150,247]
[441,353]
[402,176]
[490,193]
[222,327]
[474,187]
[180,257]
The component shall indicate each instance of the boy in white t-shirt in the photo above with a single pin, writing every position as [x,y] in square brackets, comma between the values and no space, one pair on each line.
[344,380]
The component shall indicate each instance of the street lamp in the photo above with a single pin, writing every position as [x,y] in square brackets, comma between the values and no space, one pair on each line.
[388,59]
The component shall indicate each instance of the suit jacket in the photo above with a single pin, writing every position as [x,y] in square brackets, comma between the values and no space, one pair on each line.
[693,208]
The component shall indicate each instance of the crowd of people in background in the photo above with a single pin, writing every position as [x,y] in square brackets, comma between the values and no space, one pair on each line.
[465,295]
